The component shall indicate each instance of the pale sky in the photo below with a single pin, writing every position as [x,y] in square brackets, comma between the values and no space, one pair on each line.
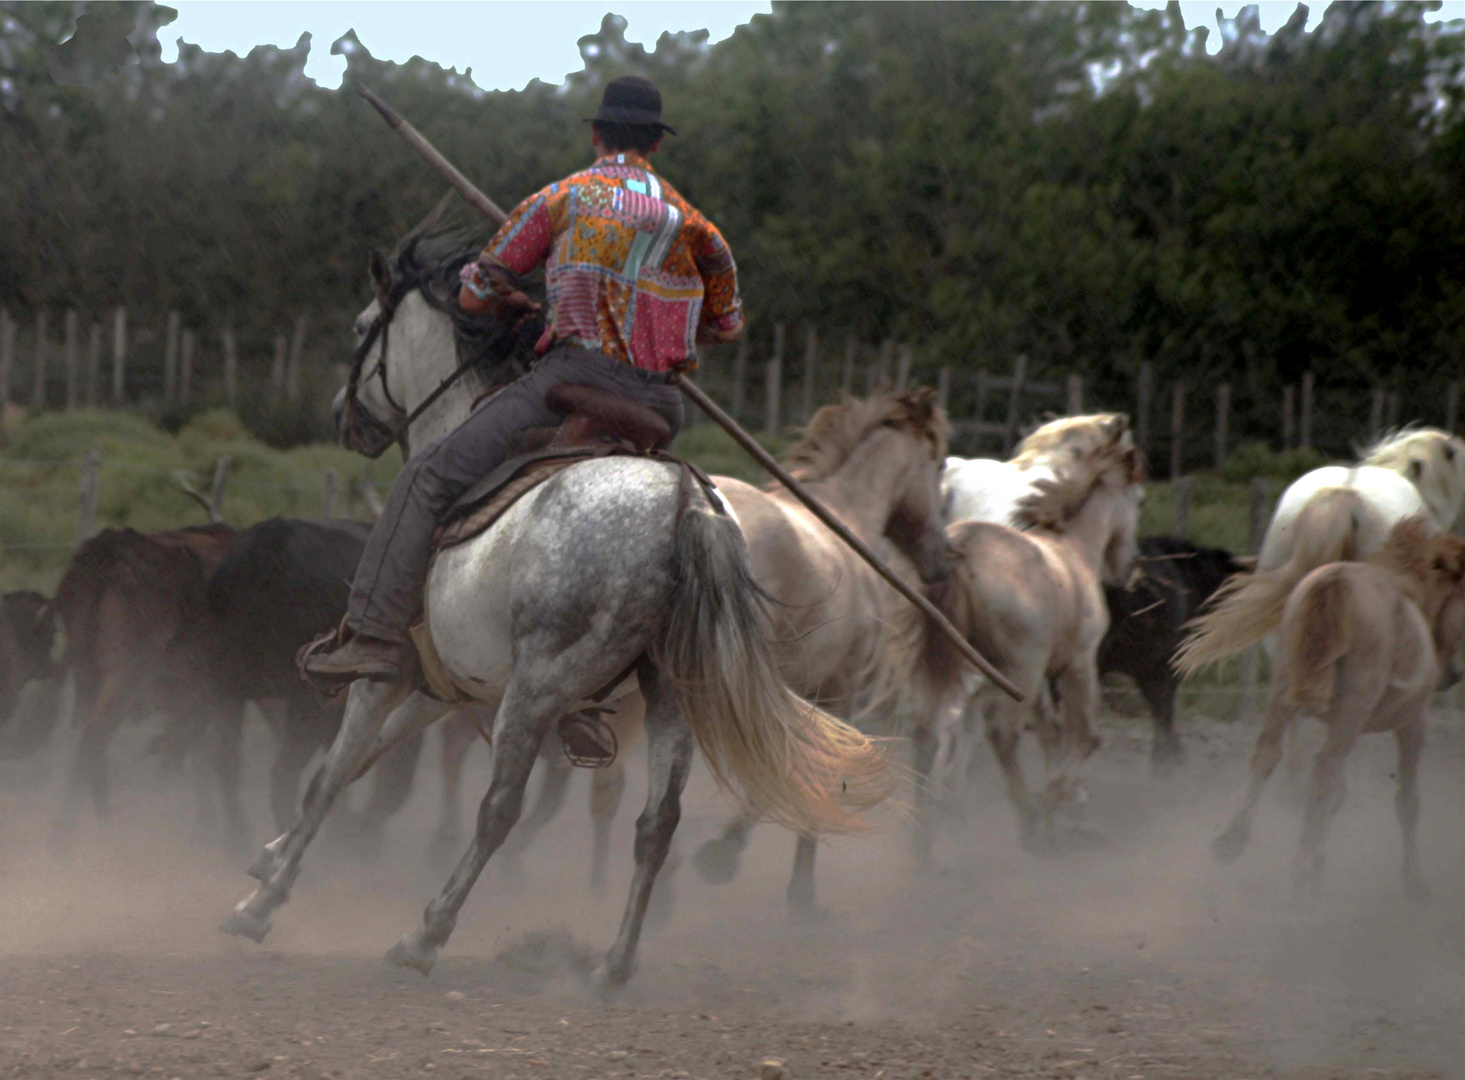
[509,42]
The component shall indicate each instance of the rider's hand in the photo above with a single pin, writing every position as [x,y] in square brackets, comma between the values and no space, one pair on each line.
[484,292]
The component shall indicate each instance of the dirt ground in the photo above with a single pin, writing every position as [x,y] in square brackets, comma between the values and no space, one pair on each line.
[1139,960]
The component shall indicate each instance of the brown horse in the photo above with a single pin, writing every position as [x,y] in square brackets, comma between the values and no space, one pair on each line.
[1362,648]
[1034,601]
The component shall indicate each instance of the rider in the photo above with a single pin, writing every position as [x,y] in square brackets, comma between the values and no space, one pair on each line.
[635,277]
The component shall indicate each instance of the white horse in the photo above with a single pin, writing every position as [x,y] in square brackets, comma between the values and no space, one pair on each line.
[1334,514]
[613,565]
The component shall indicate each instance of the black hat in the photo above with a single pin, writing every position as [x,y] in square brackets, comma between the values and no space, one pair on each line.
[631,99]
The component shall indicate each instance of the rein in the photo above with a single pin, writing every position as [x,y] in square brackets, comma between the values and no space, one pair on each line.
[373,435]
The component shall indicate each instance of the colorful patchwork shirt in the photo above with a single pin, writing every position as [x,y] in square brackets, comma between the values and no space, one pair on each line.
[633,270]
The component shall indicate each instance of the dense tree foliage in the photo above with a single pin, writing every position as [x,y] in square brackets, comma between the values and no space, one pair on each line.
[1079,182]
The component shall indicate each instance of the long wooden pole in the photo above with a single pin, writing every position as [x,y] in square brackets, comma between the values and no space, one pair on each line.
[490,210]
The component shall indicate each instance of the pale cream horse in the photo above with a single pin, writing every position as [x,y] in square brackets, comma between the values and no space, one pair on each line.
[876,464]
[1362,647]
[1332,514]
[1033,600]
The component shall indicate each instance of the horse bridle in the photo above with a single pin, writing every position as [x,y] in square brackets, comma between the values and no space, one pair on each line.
[365,432]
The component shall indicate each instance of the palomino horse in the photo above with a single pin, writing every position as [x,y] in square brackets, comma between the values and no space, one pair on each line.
[1362,647]
[611,566]
[877,465]
[1035,598]
[1332,514]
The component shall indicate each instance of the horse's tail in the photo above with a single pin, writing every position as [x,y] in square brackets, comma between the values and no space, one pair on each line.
[1318,636]
[792,761]
[1249,606]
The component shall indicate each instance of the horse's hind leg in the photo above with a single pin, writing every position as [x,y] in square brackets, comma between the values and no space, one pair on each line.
[669,760]
[1325,790]
[1004,719]
[716,861]
[368,706]
[557,774]
[457,739]
[800,894]
[1229,845]
[1406,805]
[228,766]
[523,722]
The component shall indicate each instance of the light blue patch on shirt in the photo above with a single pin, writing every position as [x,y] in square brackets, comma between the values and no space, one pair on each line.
[638,186]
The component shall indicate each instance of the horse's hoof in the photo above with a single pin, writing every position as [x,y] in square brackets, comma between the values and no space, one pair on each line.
[1227,847]
[810,914]
[413,952]
[608,976]
[1416,891]
[264,865]
[1166,756]
[241,922]
[800,894]
[716,861]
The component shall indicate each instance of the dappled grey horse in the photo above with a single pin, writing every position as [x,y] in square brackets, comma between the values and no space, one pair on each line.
[612,565]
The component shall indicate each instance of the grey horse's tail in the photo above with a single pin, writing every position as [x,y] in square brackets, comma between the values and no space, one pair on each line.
[791,760]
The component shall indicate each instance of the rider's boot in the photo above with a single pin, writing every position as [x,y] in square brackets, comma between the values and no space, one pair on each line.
[360,658]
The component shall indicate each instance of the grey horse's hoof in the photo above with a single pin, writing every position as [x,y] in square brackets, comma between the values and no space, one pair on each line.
[265,864]
[241,922]
[1166,755]
[608,976]
[413,952]
[1227,847]
[716,861]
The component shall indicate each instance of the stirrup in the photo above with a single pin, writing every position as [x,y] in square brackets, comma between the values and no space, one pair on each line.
[588,741]
[327,642]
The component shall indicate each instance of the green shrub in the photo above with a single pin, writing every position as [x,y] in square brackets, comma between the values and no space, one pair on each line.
[1252,460]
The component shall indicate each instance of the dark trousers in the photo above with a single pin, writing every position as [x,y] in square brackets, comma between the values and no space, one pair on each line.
[387,591]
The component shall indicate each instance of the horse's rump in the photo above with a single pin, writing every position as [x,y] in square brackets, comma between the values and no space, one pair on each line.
[1318,635]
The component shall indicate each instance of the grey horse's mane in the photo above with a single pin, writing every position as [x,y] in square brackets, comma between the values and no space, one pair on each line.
[428,259]
[835,430]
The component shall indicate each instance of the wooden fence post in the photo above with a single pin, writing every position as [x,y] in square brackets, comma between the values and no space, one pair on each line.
[847,375]
[982,388]
[7,358]
[772,400]
[231,368]
[119,354]
[297,353]
[1391,415]
[277,373]
[1289,416]
[370,497]
[221,483]
[1177,430]
[1142,406]
[1376,413]
[740,376]
[1223,423]
[943,389]
[903,367]
[872,377]
[94,365]
[38,392]
[1075,396]
[73,356]
[1182,490]
[185,380]
[1251,658]
[329,484]
[1305,427]
[811,364]
[887,351]
[1014,404]
[1452,405]
[170,360]
[89,488]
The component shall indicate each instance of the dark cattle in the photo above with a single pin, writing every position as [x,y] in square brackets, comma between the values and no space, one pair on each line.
[1147,623]
[284,582]
[122,602]
[27,634]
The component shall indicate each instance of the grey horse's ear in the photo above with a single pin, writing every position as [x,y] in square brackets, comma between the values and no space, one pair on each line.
[380,272]
[1449,450]
[1416,469]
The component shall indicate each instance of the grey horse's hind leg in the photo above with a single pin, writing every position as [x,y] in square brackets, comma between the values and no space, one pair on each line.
[358,742]
[1406,805]
[523,722]
[669,761]
[458,736]
[800,894]
[551,798]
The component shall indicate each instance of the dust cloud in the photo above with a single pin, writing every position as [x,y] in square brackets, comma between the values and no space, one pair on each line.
[1133,955]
